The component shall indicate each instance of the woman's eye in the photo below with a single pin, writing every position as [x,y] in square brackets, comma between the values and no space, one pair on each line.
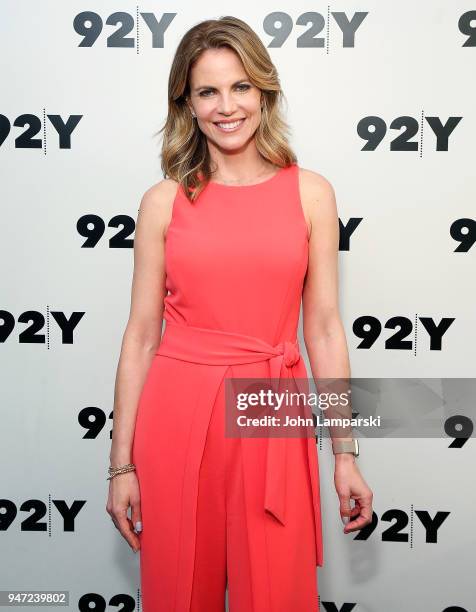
[242,87]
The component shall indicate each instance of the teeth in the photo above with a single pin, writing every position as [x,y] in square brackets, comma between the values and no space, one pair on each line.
[229,126]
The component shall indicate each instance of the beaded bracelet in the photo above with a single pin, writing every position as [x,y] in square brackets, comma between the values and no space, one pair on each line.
[129,467]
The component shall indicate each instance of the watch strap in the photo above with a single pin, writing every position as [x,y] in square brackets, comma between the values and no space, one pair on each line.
[345,446]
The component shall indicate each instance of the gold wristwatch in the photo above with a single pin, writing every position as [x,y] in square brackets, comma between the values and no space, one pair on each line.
[345,446]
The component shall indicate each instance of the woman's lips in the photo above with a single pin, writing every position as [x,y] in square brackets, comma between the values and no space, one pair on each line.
[229,130]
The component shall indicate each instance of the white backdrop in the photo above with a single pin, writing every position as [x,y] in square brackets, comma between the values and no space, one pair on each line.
[69,205]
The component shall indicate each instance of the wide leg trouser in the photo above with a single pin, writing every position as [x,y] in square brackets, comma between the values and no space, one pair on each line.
[203,503]
[222,554]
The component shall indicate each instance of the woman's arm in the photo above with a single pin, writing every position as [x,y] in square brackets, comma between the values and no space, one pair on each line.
[144,327]
[324,334]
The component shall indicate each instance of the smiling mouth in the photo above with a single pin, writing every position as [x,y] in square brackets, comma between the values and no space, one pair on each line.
[229,126]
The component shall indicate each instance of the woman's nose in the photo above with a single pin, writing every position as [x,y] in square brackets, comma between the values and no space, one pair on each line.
[226,105]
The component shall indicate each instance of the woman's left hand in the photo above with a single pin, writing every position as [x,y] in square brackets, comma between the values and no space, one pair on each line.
[350,484]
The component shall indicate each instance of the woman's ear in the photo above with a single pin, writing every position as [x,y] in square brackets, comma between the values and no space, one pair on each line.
[190,108]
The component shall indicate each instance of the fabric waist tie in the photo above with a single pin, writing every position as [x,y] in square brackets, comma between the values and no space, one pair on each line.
[215,347]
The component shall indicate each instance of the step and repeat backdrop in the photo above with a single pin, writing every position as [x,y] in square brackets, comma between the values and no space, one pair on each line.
[381,99]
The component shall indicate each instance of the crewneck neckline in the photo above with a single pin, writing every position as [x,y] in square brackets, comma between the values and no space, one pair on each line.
[268,180]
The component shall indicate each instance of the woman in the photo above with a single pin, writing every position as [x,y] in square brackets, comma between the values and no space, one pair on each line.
[224,250]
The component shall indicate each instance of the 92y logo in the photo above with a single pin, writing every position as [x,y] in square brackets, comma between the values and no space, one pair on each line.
[31,334]
[26,139]
[93,228]
[397,533]
[36,510]
[369,328]
[373,130]
[279,26]
[89,25]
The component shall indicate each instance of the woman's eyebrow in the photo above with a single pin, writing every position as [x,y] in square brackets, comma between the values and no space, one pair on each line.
[211,86]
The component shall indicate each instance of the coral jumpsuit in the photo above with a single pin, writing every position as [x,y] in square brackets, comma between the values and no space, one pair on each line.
[220,513]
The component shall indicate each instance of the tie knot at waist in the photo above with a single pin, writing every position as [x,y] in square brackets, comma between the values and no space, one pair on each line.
[290,351]
[216,347]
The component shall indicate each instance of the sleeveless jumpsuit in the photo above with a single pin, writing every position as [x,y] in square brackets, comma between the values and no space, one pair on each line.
[225,516]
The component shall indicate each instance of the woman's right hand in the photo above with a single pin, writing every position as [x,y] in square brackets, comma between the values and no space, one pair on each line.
[124,492]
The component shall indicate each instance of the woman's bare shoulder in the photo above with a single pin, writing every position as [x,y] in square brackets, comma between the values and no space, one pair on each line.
[157,203]
[317,198]
[314,184]
[160,195]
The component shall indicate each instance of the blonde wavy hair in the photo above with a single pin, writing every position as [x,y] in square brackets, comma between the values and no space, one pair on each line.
[185,156]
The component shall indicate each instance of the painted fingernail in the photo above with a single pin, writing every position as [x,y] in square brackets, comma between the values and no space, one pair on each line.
[345,519]
[138,526]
